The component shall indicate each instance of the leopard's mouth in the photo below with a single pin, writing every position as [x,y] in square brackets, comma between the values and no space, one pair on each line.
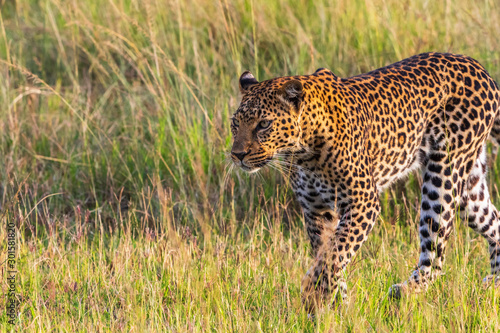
[255,166]
[249,169]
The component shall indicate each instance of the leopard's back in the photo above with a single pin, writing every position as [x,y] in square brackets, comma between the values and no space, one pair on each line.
[422,103]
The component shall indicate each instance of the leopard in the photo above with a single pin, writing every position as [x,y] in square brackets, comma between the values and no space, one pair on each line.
[342,141]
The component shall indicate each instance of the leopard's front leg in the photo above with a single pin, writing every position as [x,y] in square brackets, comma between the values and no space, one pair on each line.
[339,243]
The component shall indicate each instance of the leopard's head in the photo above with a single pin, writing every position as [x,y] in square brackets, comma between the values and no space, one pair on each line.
[266,123]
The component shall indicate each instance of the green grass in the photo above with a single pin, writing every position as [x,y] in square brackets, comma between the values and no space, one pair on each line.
[114,128]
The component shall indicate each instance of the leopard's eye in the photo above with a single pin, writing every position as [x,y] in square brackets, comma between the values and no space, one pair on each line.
[263,124]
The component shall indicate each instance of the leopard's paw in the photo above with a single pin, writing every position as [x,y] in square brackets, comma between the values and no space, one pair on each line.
[310,297]
[492,280]
[398,290]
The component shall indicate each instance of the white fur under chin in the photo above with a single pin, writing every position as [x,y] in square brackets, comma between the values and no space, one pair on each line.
[252,171]
[247,169]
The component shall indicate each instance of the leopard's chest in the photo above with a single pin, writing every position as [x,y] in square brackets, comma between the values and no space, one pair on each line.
[316,192]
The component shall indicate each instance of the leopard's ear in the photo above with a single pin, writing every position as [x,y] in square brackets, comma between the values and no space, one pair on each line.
[246,81]
[292,93]
[322,70]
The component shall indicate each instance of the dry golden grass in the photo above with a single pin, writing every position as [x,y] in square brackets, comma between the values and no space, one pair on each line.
[113,133]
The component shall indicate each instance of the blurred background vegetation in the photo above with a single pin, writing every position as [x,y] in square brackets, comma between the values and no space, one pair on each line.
[114,129]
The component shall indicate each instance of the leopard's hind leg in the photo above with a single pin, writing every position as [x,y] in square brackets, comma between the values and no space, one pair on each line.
[443,182]
[443,188]
[477,209]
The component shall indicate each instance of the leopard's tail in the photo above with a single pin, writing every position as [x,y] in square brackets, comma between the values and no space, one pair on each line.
[495,131]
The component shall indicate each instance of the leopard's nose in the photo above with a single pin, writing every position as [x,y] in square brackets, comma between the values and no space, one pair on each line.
[240,154]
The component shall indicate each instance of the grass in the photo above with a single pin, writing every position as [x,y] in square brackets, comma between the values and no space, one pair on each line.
[113,133]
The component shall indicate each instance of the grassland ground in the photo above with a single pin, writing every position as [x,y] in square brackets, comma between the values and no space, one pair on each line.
[114,129]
